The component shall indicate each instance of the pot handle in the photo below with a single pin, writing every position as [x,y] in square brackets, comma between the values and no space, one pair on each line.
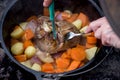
[46,76]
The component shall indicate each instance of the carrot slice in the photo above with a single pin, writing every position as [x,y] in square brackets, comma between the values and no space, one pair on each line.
[62,63]
[69,52]
[47,67]
[84,18]
[73,65]
[28,34]
[91,40]
[72,18]
[46,12]
[58,70]
[64,55]
[81,64]
[32,18]
[78,54]
[89,45]
[21,58]
[27,43]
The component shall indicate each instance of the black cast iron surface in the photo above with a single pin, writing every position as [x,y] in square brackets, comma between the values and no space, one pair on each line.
[108,70]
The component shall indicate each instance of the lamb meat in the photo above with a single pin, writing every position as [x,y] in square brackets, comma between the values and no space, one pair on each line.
[44,37]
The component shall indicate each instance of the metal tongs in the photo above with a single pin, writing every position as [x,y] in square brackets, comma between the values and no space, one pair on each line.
[52,18]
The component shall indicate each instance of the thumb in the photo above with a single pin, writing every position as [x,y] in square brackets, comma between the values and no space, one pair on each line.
[46,3]
[89,29]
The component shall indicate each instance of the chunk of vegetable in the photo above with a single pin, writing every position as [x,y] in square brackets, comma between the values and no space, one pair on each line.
[27,63]
[77,23]
[65,55]
[90,45]
[84,18]
[36,67]
[73,65]
[90,53]
[47,67]
[82,30]
[23,25]
[27,43]
[44,57]
[17,33]
[66,15]
[17,48]
[78,54]
[72,18]
[30,51]
[21,58]
[28,34]
[91,40]
[68,11]
[62,63]
[59,70]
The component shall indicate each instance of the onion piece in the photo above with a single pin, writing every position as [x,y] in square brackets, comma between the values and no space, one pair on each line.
[46,58]
[59,16]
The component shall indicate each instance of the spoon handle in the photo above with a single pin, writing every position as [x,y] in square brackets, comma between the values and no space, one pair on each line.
[52,15]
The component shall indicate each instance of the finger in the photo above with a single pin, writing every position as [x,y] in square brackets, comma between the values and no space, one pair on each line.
[46,3]
[95,25]
[98,33]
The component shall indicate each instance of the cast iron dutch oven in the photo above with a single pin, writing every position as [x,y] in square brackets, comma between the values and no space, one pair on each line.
[19,10]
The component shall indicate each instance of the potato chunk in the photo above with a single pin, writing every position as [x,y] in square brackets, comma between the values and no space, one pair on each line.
[30,51]
[90,53]
[82,30]
[23,25]
[17,33]
[36,67]
[77,23]
[17,48]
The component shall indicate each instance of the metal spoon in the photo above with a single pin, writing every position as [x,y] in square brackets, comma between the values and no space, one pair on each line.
[71,35]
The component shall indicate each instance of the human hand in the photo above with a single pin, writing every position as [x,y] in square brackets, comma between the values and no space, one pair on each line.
[46,3]
[103,31]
